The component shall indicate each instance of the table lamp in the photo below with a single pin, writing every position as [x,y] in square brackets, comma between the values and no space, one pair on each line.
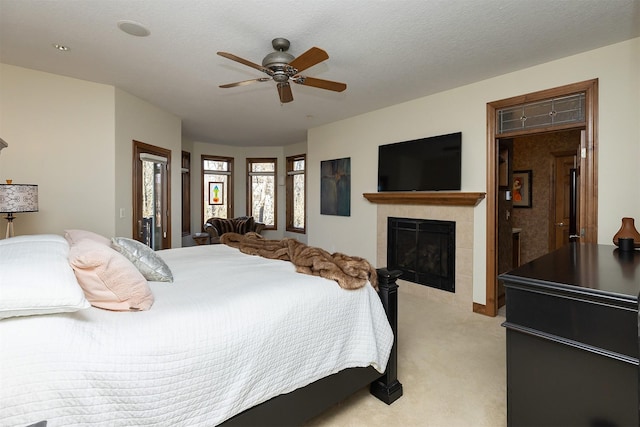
[17,198]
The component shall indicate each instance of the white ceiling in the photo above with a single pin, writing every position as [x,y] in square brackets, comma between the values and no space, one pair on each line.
[386,51]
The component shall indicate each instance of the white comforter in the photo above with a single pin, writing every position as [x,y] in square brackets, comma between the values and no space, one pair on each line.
[232,331]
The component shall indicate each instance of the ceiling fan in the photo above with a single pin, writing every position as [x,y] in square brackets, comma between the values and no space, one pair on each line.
[282,67]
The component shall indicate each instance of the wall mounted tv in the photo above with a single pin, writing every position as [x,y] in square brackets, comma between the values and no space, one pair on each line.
[426,164]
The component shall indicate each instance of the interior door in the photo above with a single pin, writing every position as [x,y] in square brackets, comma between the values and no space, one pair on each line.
[564,196]
[151,201]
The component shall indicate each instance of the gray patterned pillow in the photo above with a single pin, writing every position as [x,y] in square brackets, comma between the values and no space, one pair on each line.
[151,266]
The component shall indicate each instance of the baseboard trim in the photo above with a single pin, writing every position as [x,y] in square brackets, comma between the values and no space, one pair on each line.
[481,309]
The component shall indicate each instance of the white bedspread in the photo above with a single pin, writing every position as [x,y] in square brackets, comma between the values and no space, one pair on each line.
[232,331]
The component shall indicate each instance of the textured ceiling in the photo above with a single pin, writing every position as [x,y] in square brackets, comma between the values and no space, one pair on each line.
[386,51]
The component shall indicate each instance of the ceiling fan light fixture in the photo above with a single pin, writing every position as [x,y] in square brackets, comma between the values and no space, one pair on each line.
[280,76]
[284,67]
[277,59]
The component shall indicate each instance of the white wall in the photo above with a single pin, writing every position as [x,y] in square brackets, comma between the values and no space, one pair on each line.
[464,109]
[60,133]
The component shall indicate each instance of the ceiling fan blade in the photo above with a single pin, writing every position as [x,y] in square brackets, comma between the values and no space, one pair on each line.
[245,62]
[245,82]
[313,56]
[284,91]
[320,83]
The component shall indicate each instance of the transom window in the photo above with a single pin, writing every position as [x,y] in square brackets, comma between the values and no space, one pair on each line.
[558,111]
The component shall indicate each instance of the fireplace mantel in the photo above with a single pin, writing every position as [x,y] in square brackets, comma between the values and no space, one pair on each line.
[426,198]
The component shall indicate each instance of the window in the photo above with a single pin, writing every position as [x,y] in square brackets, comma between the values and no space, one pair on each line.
[558,111]
[262,191]
[296,183]
[217,187]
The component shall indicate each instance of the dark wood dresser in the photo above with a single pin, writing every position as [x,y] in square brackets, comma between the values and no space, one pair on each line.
[572,338]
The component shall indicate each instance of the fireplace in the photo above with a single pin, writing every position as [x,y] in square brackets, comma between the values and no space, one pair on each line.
[424,250]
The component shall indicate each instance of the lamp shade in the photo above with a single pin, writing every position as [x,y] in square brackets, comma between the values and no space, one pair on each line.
[18,198]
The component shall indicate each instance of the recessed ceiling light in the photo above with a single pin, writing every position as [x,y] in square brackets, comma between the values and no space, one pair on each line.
[133,28]
[61,48]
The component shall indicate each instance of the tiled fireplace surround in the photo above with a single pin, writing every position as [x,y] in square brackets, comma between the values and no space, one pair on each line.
[463,217]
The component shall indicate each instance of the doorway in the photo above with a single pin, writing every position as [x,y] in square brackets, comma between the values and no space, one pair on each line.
[547,162]
[587,163]
[542,218]
[151,195]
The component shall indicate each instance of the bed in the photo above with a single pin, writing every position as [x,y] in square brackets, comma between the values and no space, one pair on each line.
[232,339]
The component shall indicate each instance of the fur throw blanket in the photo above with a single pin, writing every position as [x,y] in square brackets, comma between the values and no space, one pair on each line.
[350,272]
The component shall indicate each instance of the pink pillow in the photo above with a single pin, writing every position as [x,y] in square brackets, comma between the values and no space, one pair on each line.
[74,236]
[108,279]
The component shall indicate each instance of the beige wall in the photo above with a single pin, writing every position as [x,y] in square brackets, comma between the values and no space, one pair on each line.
[138,120]
[60,133]
[71,137]
[464,109]
[74,139]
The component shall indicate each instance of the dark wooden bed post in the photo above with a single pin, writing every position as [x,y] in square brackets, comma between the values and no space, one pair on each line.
[387,388]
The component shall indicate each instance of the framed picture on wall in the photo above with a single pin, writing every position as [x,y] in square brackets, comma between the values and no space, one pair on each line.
[522,194]
[335,187]
[216,193]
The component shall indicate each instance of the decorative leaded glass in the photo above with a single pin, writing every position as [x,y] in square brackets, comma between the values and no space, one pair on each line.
[546,113]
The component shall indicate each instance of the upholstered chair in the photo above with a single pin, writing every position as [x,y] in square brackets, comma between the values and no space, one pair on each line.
[216,227]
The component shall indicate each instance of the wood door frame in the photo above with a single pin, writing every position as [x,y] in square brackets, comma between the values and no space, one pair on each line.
[588,164]
[138,148]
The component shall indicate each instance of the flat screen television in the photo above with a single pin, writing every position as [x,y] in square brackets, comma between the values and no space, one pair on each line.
[426,164]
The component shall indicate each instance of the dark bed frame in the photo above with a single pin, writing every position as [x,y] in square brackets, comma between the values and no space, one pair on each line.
[307,402]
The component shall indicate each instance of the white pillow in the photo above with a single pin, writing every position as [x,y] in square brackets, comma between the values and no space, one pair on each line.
[33,238]
[36,278]
[144,258]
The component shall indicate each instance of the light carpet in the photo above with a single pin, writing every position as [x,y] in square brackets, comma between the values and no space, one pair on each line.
[451,363]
